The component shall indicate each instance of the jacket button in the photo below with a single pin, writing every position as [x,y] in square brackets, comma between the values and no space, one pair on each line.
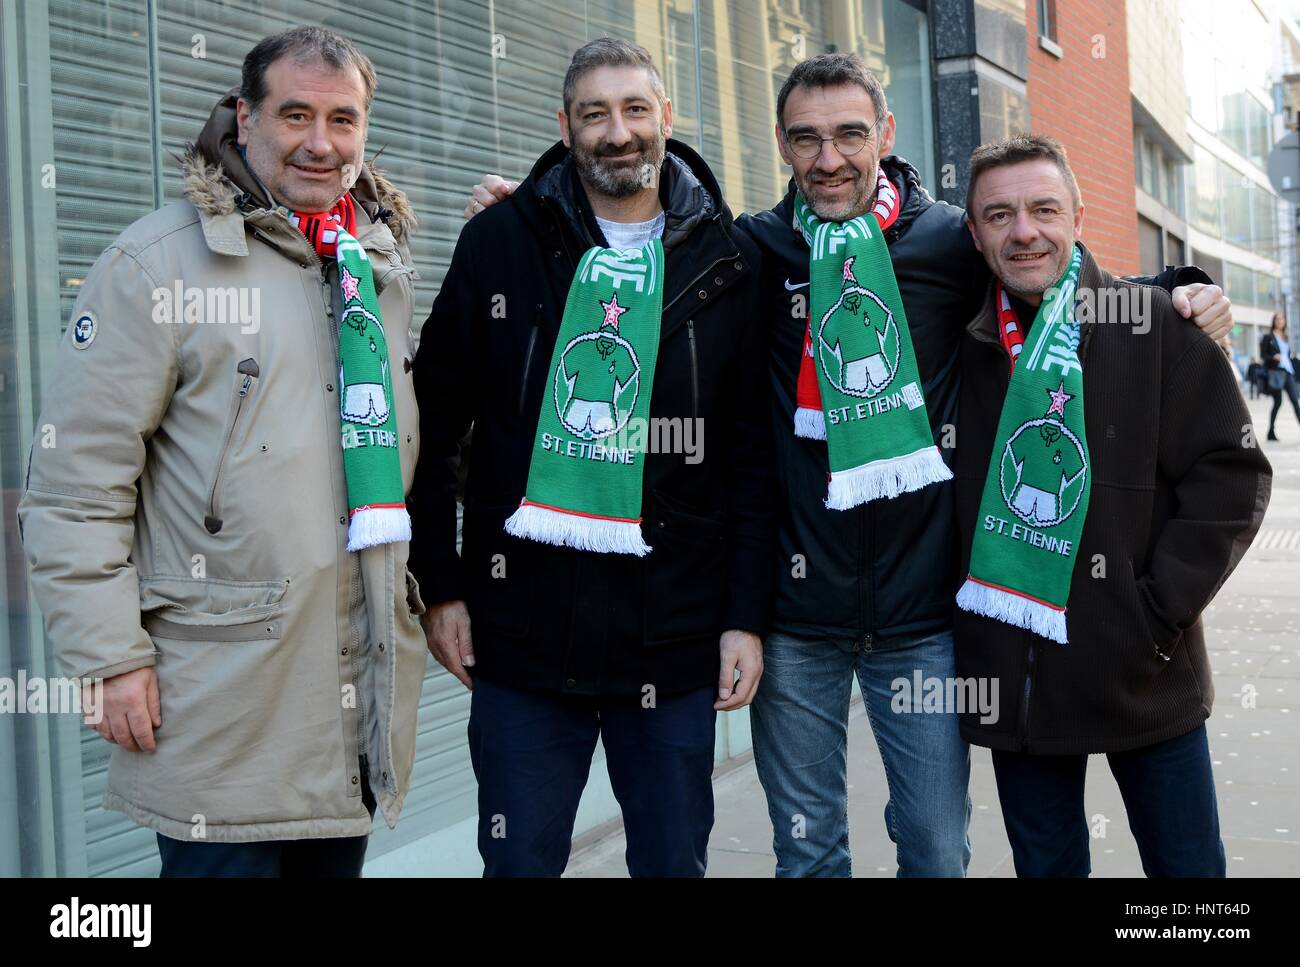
[345,651]
[570,683]
[329,387]
[381,646]
[738,265]
[343,520]
[354,780]
[556,253]
[717,280]
[702,294]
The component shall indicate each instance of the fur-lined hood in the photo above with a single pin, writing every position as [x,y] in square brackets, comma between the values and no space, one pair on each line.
[219,183]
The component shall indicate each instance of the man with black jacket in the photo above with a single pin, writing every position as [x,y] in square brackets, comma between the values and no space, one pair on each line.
[868,591]
[1145,486]
[639,648]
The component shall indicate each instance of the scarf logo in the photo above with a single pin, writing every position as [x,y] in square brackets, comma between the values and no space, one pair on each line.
[1044,468]
[859,353]
[598,378]
[364,400]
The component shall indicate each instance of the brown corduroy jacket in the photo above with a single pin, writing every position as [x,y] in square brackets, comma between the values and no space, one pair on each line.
[1179,486]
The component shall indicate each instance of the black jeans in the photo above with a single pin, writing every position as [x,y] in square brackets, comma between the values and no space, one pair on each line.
[1168,792]
[284,858]
[532,752]
[1291,392]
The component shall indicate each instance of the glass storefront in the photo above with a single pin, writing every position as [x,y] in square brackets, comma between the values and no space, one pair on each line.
[99,97]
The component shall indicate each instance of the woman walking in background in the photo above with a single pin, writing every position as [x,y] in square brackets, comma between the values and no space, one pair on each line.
[1275,350]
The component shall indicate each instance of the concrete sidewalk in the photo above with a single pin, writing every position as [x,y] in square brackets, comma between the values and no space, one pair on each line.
[1253,631]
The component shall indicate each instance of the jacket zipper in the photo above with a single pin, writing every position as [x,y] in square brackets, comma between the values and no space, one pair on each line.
[248,370]
[528,365]
[1024,705]
[695,370]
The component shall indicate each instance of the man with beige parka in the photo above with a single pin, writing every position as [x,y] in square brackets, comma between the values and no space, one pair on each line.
[213,534]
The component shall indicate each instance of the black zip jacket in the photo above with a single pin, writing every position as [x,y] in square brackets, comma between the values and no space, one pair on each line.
[1176,498]
[884,572]
[553,618]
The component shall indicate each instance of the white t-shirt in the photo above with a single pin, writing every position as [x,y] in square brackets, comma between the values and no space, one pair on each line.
[626,235]
[1285,361]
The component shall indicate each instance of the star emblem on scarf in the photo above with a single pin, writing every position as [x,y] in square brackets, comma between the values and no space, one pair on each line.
[349,285]
[612,311]
[1059,398]
[848,270]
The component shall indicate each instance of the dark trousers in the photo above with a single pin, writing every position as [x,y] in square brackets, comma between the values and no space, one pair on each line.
[532,752]
[1168,792]
[284,858]
[1291,393]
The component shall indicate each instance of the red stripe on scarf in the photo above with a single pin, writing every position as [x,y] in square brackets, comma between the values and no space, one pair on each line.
[321,228]
[1010,332]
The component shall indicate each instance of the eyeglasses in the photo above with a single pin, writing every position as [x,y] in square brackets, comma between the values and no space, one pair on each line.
[807,145]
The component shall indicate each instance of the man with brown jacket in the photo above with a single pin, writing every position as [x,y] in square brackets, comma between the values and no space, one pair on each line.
[189,532]
[1108,481]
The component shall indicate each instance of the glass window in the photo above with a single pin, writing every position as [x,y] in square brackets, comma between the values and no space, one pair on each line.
[1047,19]
[1235,189]
[1239,284]
[1266,291]
[1173,184]
[1205,190]
[1263,207]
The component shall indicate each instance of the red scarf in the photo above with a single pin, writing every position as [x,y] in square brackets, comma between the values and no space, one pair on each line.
[808,395]
[321,228]
[1009,331]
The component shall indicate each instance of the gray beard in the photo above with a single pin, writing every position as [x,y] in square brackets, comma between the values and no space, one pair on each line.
[623,181]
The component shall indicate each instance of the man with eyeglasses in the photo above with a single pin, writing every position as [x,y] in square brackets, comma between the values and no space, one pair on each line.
[867,590]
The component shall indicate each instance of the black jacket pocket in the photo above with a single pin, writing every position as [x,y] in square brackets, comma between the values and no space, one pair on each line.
[685,573]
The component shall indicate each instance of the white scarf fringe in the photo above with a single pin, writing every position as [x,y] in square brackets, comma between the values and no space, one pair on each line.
[1013,609]
[887,478]
[378,525]
[573,530]
[809,423]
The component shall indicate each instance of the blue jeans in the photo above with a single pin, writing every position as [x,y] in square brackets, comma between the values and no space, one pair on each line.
[532,751]
[800,727]
[1168,791]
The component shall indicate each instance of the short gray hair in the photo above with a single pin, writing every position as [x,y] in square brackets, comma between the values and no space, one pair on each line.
[610,52]
[303,44]
[833,70]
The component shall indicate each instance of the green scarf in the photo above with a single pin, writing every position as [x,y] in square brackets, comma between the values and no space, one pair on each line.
[877,430]
[1036,493]
[371,461]
[584,479]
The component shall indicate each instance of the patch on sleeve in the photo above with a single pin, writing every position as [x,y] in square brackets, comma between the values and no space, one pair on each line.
[84,330]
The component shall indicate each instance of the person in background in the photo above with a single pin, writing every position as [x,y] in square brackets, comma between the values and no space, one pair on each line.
[1280,366]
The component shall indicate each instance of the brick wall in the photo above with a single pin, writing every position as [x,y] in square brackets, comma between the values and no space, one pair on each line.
[1082,100]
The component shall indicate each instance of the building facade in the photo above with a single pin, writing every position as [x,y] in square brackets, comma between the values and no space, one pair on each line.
[1078,93]
[1238,229]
